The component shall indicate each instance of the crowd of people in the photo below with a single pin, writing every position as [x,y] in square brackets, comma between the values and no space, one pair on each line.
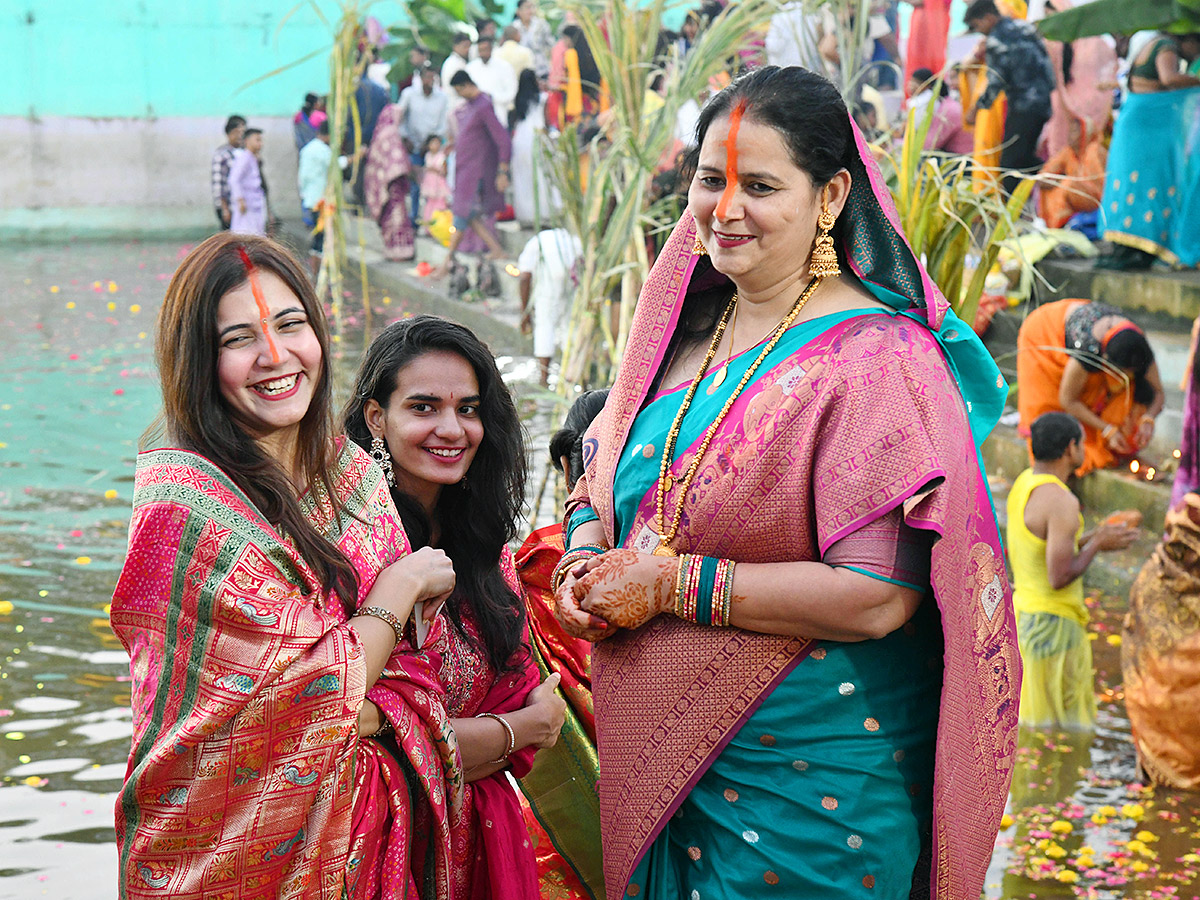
[774,632]
[459,137]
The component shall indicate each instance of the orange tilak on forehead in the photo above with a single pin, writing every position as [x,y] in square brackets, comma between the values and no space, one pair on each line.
[731,159]
[263,312]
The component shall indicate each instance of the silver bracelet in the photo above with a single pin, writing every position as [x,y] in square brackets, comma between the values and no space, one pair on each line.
[386,615]
[512,737]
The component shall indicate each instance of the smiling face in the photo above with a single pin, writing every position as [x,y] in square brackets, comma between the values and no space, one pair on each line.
[761,233]
[267,377]
[431,424]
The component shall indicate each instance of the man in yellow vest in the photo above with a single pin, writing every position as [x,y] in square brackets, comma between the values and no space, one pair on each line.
[1049,552]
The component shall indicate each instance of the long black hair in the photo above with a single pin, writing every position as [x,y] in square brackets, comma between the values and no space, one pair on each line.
[1129,350]
[528,94]
[568,440]
[589,72]
[810,115]
[478,517]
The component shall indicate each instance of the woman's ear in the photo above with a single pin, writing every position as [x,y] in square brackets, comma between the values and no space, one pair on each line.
[838,190]
[375,416]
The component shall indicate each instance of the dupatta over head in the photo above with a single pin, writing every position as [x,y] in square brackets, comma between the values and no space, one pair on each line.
[670,695]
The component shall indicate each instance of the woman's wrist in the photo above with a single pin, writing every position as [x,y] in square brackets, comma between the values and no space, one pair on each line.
[570,560]
[703,589]
[510,737]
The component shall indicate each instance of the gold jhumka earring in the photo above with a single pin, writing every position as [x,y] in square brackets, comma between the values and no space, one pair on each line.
[699,249]
[824,263]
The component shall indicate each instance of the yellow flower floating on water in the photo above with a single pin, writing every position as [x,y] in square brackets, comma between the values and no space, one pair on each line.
[1054,851]
[1114,639]
[1138,866]
[1148,837]
[110,495]
[1133,810]
[1098,819]
[1062,826]
[1067,876]
[83,560]
[1006,820]
[1107,811]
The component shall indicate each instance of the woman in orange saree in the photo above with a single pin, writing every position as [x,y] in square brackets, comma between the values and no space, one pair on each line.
[267,583]
[1089,360]
[758,728]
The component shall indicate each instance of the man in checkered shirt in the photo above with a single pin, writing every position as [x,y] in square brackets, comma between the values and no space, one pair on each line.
[221,159]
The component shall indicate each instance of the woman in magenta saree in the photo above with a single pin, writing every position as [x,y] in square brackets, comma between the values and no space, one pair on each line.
[430,405]
[834,714]
[257,615]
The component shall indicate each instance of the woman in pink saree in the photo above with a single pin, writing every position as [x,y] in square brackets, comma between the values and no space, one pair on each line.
[265,592]
[430,405]
[807,672]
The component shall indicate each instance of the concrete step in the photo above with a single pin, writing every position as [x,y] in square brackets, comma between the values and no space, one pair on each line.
[1158,296]
[495,320]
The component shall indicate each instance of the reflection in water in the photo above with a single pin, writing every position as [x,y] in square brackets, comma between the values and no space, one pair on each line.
[1080,822]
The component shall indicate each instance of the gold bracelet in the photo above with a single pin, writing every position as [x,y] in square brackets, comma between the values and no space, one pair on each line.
[385,615]
[512,737]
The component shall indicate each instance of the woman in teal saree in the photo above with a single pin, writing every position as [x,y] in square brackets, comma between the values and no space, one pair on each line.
[806,674]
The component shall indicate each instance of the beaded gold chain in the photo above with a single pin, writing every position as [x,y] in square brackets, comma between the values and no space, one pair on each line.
[665,479]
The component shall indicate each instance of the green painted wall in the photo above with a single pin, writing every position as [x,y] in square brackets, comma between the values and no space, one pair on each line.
[146,58]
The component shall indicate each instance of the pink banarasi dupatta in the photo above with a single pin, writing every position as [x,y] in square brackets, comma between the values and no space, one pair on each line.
[246,776]
[670,696]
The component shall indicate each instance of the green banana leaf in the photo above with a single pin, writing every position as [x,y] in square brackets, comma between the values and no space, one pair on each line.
[1122,16]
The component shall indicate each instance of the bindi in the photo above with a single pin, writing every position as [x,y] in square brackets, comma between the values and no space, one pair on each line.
[263,312]
[731,159]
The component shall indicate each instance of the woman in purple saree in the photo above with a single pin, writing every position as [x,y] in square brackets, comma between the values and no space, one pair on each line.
[834,714]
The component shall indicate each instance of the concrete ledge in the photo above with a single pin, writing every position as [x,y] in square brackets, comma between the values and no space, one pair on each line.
[105,223]
[1166,296]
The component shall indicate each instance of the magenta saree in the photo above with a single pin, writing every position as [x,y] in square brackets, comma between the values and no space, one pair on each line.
[491,855]
[874,414]
[246,776]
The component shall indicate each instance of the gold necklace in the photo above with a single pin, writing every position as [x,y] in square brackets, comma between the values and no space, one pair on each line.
[719,378]
[665,479]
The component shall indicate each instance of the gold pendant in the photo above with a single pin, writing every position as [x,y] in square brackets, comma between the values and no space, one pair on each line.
[663,549]
[668,481]
[719,378]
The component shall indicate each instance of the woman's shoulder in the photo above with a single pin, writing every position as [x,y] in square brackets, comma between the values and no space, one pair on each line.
[174,478]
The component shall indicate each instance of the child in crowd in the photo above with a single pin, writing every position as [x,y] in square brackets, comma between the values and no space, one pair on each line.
[435,190]
[1049,552]
[247,187]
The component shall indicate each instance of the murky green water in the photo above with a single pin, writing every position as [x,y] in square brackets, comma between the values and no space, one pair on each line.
[77,388]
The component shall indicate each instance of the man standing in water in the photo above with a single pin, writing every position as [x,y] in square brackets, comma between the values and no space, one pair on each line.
[1050,552]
